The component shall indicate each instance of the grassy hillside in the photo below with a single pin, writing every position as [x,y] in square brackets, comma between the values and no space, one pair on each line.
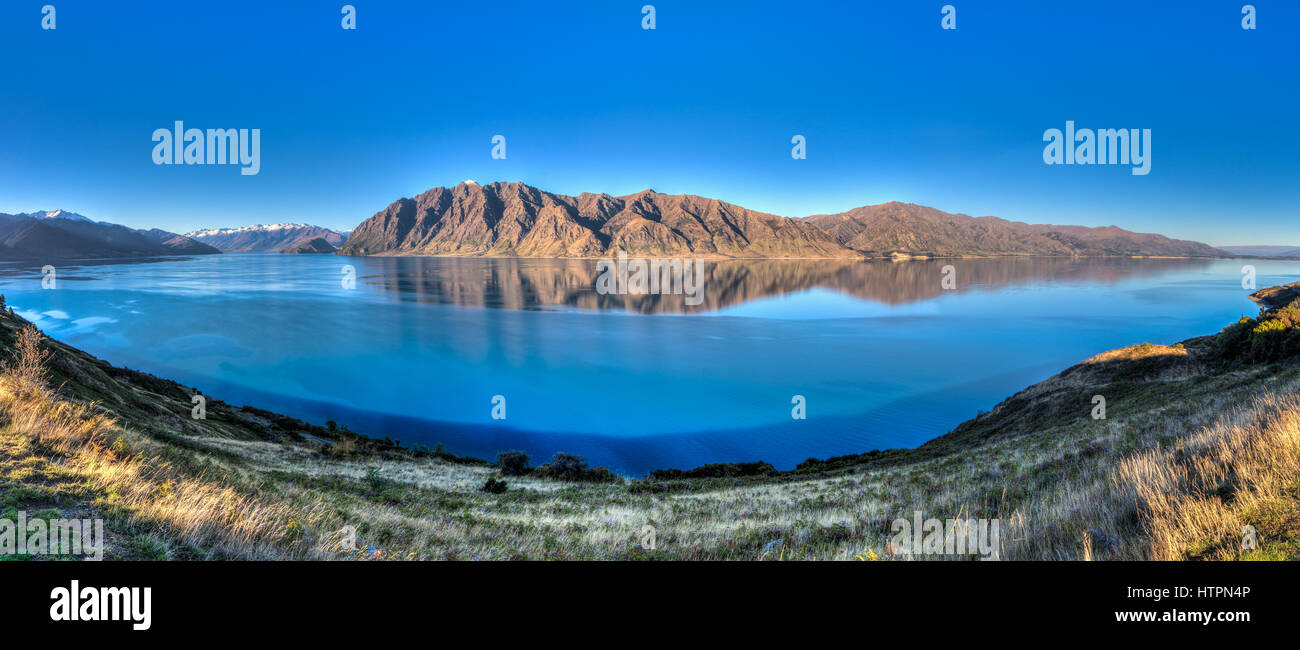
[1199,440]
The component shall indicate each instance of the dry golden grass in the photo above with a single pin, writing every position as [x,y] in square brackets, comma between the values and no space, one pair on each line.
[1142,351]
[104,460]
[1198,496]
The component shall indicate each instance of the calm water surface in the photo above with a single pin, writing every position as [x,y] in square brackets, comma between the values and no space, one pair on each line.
[882,354]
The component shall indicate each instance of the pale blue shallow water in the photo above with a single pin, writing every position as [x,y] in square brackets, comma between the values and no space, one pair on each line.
[884,357]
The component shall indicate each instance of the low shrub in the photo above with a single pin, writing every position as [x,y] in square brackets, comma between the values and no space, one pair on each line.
[716,470]
[512,463]
[376,480]
[1233,342]
[1274,339]
[569,467]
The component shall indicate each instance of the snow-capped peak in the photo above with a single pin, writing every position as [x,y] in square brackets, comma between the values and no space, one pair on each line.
[57,213]
[209,232]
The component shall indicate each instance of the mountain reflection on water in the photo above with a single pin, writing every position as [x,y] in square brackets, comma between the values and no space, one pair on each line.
[523,283]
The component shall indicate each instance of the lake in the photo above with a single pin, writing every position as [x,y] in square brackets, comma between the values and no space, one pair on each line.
[881,353]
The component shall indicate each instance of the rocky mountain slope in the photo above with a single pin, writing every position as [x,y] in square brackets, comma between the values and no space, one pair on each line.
[513,219]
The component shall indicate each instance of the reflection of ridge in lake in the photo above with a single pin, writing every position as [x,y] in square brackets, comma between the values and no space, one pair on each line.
[516,283]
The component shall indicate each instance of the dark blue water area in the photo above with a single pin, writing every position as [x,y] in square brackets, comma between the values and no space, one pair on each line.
[902,424]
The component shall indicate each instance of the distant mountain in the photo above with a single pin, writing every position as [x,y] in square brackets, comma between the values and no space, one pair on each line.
[513,219]
[178,243]
[266,238]
[61,235]
[316,246]
[56,214]
[1288,252]
[906,228]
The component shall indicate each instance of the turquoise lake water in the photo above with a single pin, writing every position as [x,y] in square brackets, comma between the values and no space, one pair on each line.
[882,354]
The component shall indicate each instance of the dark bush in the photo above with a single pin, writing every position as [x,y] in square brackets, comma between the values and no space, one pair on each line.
[814,465]
[599,475]
[716,470]
[494,486]
[1274,339]
[567,466]
[1233,342]
[512,463]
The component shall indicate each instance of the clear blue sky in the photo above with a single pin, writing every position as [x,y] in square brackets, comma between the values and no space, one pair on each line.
[893,107]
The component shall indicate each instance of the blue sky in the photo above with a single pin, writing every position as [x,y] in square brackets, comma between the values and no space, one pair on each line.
[892,106]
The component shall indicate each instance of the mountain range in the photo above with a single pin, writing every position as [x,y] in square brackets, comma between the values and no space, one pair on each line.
[517,220]
[272,238]
[58,234]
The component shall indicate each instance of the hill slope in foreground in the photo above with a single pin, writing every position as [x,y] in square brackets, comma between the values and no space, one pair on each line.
[1199,440]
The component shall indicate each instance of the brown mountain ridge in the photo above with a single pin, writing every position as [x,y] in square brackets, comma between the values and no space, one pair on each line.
[518,220]
[880,230]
